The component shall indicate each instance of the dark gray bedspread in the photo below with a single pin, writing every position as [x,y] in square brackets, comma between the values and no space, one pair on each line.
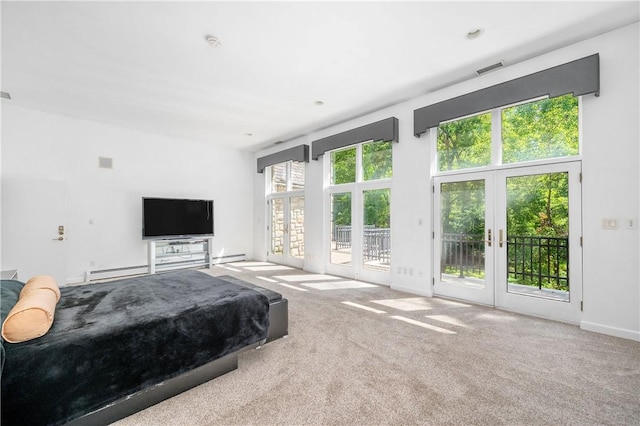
[110,340]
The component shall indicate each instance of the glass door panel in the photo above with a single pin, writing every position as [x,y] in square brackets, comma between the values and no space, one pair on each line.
[538,259]
[463,238]
[376,235]
[538,235]
[341,238]
[296,227]
[462,225]
[277,226]
[286,230]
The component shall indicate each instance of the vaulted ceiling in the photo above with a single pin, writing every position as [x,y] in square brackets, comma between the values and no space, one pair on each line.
[282,69]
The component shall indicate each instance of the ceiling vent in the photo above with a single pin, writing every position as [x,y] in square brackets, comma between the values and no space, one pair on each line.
[105,163]
[490,68]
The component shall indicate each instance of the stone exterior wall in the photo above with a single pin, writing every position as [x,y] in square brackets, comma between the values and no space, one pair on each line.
[296,228]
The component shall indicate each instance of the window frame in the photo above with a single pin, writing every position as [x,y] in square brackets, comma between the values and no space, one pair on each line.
[496,143]
[359,178]
[288,178]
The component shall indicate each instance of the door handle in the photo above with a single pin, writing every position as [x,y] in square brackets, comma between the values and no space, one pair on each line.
[500,242]
[489,238]
[58,239]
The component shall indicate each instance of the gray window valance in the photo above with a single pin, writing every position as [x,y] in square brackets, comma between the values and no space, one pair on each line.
[579,77]
[297,153]
[386,130]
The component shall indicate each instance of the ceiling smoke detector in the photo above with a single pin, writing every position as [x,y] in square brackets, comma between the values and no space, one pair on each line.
[214,41]
[475,33]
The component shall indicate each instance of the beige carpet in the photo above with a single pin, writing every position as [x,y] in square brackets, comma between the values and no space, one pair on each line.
[410,360]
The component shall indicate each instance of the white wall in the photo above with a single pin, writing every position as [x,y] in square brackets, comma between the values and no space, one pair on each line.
[104,206]
[611,185]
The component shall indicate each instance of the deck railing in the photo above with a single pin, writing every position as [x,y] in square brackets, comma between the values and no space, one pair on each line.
[376,244]
[531,260]
[539,261]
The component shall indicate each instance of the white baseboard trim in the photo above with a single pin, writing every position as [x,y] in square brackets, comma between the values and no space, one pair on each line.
[116,273]
[611,331]
[229,258]
[126,271]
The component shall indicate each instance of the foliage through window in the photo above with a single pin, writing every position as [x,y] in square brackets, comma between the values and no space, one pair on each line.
[543,129]
[465,143]
[376,162]
[538,130]
[343,166]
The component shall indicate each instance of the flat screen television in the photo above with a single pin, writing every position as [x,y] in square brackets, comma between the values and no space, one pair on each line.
[167,218]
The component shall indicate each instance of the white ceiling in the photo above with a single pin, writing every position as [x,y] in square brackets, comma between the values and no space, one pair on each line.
[147,65]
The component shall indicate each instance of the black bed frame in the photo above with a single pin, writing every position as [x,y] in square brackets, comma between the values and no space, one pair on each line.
[278,327]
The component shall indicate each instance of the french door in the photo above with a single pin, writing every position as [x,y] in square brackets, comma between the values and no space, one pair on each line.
[360,233]
[286,229]
[511,238]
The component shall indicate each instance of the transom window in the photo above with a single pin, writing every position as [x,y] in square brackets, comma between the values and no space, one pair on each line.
[536,130]
[287,176]
[362,162]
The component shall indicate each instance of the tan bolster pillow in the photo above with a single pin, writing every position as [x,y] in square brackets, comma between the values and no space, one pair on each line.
[31,317]
[41,281]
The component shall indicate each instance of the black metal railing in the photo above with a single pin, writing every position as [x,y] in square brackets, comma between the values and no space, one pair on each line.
[376,244]
[341,237]
[539,261]
[542,262]
[463,255]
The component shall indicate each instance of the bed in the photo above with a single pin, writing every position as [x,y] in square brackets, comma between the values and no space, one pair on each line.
[118,347]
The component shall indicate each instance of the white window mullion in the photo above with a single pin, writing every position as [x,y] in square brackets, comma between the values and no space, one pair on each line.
[359,171]
[496,137]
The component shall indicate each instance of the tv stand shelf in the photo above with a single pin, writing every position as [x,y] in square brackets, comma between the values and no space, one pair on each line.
[165,255]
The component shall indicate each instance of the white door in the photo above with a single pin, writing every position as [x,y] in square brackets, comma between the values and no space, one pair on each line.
[34,228]
[463,215]
[511,239]
[360,233]
[539,255]
[286,230]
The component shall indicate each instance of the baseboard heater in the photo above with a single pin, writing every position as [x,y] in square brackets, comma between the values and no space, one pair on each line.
[127,271]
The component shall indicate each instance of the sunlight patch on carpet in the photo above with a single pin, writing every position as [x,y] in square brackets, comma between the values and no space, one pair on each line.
[424,325]
[339,285]
[452,303]
[269,280]
[496,317]
[308,277]
[366,308]
[245,264]
[407,304]
[268,268]
[447,320]
[229,268]
[292,287]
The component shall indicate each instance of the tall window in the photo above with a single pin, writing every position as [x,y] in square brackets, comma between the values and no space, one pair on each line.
[537,130]
[361,173]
